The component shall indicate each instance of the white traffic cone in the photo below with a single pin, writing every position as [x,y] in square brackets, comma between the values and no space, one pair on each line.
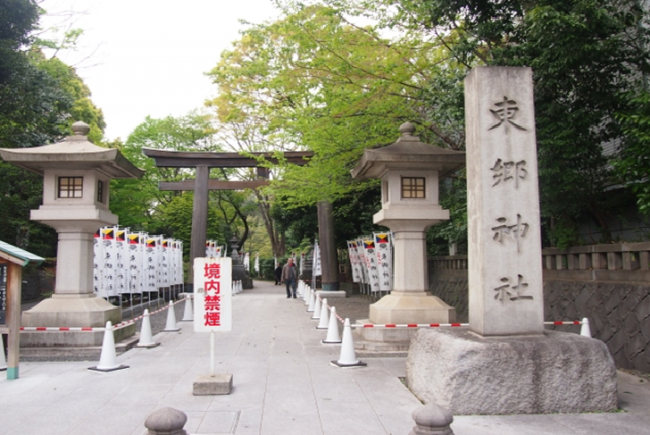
[310,308]
[585,331]
[188,315]
[316,314]
[333,336]
[171,325]
[306,294]
[324,318]
[108,357]
[3,359]
[146,337]
[348,357]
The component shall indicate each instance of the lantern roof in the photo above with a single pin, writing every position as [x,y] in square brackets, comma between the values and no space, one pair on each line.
[73,152]
[408,152]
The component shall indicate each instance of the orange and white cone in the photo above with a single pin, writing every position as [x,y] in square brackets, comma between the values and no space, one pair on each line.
[333,336]
[171,325]
[108,357]
[310,308]
[348,358]
[317,308]
[585,330]
[323,323]
[146,337]
[188,315]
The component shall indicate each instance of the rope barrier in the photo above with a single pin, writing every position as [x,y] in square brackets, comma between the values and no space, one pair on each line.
[93,329]
[430,325]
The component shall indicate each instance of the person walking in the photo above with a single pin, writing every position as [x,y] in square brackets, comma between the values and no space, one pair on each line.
[278,275]
[289,276]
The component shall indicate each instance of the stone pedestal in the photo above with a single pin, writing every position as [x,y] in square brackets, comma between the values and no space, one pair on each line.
[206,385]
[554,372]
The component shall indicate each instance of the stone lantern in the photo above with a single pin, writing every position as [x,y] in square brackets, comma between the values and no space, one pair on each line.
[409,171]
[76,182]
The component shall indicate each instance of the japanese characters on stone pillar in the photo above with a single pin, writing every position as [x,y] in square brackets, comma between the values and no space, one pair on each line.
[505,270]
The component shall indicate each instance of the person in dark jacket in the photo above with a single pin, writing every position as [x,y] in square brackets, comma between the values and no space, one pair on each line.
[278,275]
[289,277]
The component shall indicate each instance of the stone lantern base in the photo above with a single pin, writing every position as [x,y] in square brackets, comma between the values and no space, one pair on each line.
[401,308]
[72,311]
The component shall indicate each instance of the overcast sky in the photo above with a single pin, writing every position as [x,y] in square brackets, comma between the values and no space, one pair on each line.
[148,57]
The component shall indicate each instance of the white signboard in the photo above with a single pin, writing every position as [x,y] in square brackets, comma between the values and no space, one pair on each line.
[212,294]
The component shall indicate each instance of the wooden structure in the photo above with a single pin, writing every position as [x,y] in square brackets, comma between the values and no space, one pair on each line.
[203,161]
[14,259]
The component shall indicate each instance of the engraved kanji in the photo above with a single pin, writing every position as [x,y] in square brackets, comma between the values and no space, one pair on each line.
[506,171]
[511,292]
[504,112]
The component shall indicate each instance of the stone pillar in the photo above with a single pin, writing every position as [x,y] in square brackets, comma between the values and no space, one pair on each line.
[75,250]
[329,263]
[199,214]
[505,271]
[507,363]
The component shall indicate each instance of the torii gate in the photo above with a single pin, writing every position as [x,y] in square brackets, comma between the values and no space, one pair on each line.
[203,161]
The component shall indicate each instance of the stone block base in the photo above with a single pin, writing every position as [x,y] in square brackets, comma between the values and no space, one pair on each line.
[331,294]
[552,373]
[411,307]
[206,385]
[72,311]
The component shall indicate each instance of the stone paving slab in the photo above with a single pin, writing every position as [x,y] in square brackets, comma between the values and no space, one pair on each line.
[282,384]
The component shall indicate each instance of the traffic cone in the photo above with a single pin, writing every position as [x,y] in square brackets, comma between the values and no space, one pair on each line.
[310,308]
[171,325]
[306,294]
[146,338]
[299,288]
[3,359]
[348,357]
[324,319]
[585,331]
[333,336]
[316,314]
[188,316]
[108,357]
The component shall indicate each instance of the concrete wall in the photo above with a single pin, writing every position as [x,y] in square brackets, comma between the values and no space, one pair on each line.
[609,284]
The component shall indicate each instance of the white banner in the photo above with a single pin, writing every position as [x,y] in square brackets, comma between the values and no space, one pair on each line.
[257,263]
[371,263]
[317,268]
[110,262]
[354,261]
[212,294]
[150,264]
[121,265]
[134,245]
[384,252]
[98,265]
[247,262]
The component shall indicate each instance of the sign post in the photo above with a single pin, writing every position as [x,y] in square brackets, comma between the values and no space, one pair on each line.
[212,313]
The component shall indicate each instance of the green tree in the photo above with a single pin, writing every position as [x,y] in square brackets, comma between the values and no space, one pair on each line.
[39,99]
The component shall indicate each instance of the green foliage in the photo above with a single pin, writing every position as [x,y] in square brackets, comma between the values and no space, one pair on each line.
[585,56]
[633,166]
[39,99]
[315,81]
[453,197]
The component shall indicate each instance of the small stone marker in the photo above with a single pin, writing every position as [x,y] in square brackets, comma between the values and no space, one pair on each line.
[166,421]
[206,385]
[432,419]
[505,271]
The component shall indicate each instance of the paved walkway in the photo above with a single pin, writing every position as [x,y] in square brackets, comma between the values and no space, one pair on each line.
[283,384]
